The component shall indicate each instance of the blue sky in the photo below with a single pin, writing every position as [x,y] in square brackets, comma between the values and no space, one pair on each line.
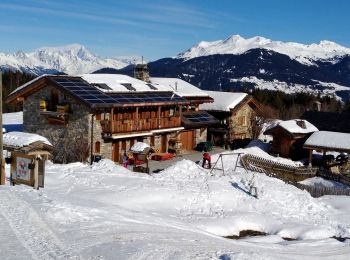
[157,29]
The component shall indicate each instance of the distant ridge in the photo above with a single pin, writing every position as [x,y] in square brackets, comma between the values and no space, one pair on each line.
[306,54]
[70,59]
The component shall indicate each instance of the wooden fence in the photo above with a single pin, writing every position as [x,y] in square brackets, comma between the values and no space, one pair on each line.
[292,175]
[327,174]
[321,191]
[287,173]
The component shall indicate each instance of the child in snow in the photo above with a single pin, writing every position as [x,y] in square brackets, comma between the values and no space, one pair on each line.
[125,160]
[206,158]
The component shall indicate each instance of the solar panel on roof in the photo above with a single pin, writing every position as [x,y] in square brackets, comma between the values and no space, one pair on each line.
[103,86]
[128,86]
[92,95]
[199,117]
[151,86]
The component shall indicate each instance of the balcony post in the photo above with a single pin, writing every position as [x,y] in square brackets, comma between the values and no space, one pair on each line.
[137,118]
[111,119]
[158,115]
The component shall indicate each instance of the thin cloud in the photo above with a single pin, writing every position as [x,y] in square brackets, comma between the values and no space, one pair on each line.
[90,17]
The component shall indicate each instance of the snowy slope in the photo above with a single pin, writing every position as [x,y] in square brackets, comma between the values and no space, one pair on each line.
[104,211]
[71,59]
[306,54]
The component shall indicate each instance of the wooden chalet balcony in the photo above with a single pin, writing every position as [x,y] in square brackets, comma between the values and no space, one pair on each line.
[131,125]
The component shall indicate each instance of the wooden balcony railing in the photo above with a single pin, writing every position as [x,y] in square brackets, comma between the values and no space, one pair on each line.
[129,125]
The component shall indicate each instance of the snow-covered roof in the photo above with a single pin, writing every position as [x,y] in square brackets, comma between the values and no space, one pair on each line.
[331,140]
[181,87]
[123,83]
[28,83]
[20,139]
[223,101]
[139,147]
[292,127]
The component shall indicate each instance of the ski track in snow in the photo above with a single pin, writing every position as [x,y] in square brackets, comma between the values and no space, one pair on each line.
[30,229]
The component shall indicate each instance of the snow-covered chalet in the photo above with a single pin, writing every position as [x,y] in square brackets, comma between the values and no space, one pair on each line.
[106,114]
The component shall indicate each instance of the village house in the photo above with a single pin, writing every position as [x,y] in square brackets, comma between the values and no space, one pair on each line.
[289,137]
[236,112]
[104,114]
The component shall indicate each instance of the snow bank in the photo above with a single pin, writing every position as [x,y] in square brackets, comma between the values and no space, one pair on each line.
[182,212]
[183,170]
[320,182]
[20,139]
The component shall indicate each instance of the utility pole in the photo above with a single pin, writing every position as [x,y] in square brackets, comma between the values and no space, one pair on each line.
[2,161]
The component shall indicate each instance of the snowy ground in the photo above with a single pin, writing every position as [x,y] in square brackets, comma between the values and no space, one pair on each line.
[105,211]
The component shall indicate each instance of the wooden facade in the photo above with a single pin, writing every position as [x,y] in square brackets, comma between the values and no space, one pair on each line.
[129,120]
[286,144]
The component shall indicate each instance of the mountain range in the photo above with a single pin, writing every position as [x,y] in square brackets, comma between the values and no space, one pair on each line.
[70,59]
[232,64]
[237,63]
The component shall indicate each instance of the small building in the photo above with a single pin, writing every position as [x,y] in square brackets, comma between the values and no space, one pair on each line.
[328,121]
[326,141]
[28,153]
[235,111]
[289,137]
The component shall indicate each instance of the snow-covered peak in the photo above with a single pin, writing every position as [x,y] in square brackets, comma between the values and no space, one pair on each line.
[72,59]
[235,44]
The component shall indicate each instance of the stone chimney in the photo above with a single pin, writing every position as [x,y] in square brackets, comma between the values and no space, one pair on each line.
[141,72]
[301,123]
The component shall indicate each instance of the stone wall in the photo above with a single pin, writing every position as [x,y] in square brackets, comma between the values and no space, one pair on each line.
[237,130]
[70,141]
[106,147]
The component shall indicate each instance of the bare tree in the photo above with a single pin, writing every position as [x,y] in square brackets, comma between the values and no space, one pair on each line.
[258,119]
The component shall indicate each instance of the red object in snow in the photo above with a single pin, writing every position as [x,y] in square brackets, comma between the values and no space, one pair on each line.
[207,156]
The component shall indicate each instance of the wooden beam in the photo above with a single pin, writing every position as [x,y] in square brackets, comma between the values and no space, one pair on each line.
[137,118]
[111,119]
[310,158]
[36,174]
[158,115]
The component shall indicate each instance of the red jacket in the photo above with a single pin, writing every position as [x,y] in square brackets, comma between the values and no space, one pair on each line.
[207,156]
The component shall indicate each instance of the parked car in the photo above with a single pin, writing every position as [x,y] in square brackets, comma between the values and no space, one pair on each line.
[342,158]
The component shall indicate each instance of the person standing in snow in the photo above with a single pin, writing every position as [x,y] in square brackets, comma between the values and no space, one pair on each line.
[206,158]
[125,160]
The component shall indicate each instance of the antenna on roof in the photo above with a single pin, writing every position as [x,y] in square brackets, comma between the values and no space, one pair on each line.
[141,59]
[175,85]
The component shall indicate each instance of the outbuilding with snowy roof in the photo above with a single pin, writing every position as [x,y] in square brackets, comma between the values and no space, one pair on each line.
[289,137]
[27,154]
